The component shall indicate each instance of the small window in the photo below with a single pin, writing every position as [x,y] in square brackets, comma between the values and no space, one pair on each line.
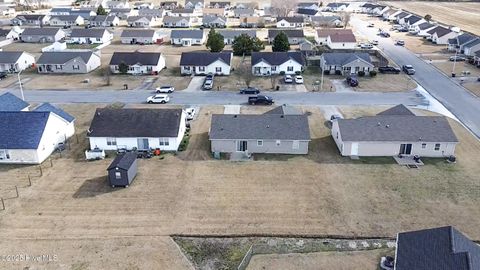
[278,142]
[201,68]
[111,141]
[274,68]
[295,144]
[218,69]
[289,68]
[437,146]
[76,67]
[424,145]
[118,175]
[4,154]
[163,142]
[259,143]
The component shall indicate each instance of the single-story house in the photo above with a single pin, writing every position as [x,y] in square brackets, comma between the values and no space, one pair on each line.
[347,63]
[169,5]
[140,36]
[66,20]
[142,5]
[11,103]
[221,4]
[269,63]
[327,21]
[194,4]
[471,47]
[42,35]
[177,22]
[336,38]
[121,13]
[214,11]
[307,13]
[56,46]
[213,21]
[104,21]
[412,21]
[252,22]
[400,15]
[15,61]
[436,248]
[183,12]
[117,4]
[13,33]
[290,22]
[441,35]
[29,137]
[390,14]
[187,37]
[243,12]
[123,169]
[142,21]
[276,132]
[31,19]
[140,129]
[90,36]
[295,36]
[336,7]
[68,62]
[422,29]
[401,18]
[396,131]
[230,35]
[138,63]
[156,13]
[202,63]
[86,13]
[457,43]
[69,120]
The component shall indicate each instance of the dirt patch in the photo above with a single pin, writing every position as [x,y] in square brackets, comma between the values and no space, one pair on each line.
[386,83]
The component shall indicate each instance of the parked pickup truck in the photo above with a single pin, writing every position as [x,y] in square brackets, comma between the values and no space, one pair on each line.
[389,70]
[260,100]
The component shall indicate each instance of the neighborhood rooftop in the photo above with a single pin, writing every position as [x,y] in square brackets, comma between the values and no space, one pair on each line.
[47,107]
[277,58]
[204,58]
[187,34]
[62,57]
[10,102]
[22,130]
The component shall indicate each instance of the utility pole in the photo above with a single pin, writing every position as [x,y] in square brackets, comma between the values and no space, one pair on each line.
[323,72]
[20,84]
[454,63]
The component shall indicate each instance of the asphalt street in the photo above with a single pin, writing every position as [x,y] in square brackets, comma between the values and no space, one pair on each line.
[458,100]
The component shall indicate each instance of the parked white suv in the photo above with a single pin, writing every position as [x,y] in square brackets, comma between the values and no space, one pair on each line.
[164,89]
[190,113]
[298,79]
[159,98]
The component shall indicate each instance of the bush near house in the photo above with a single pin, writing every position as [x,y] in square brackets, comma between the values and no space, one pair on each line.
[361,73]
[373,73]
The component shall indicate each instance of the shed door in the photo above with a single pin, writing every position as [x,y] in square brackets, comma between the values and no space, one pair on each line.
[143,144]
[354,150]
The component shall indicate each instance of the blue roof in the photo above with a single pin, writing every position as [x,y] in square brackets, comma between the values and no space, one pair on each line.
[11,103]
[22,130]
[47,107]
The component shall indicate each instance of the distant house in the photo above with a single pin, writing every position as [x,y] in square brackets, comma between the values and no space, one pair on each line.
[177,22]
[270,63]
[457,43]
[214,11]
[11,103]
[307,12]
[121,13]
[437,248]
[326,21]
[85,13]
[142,21]
[42,35]
[123,169]
[243,12]
[290,22]
[202,63]
[336,38]
[276,132]
[308,5]
[295,36]
[222,5]
[141,129]
[252,22]
[400,17]
[139,63]
[104,21]
[183,12]
[336,7]
[212,21]
[187,37]
[346,63]
[142,5]
[30,19]
[194,4]
[423,29]
[56,46]
[31,136]
[15,61]
[68,62]
[156,13]
[90,36]
[66,20]
[389,15]
[440,35]
[140,37]
[396,131]
[169,5]
[472,47]
[117,4]
[13,33]
[230,35]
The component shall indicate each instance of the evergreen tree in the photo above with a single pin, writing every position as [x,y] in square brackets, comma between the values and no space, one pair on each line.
[245,45]
[280,43]
[123,68]
[101,10]
[215,41]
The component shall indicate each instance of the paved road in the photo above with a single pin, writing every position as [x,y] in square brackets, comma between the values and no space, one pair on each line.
[463,104]
[223,98]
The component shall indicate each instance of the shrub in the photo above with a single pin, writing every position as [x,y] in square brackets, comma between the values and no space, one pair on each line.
[282,72]
[298,72]
[373,73]
[326,72]
[361,73]
[338,72]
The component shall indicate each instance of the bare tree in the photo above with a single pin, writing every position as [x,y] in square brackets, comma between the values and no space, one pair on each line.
[245,73]
[345,18]
[107,76]
[283,8]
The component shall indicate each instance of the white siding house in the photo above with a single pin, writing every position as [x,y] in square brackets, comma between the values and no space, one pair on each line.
[269,63]
[90,36]
[187,37]
[138,63]
[15,61]
[202,63]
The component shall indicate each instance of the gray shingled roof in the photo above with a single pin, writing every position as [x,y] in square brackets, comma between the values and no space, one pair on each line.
[425,25]
[132,58]
[22,130]
[9,57]
[291,33]
[397,110]
[40,31]
[443,248]
[47,107]
[234,33]
[183,10]
[296,19]
[61,57]
[91,33]
[472,43]
[174,19]
[123,161]
[440,30]
[187,34]
[340,59]
[277,58]
[413,19]
[244,11]
[103,18]
[210,18]
[150,123]
[204,58]
[12,103]
[137,33]
[285,110]
[259,127]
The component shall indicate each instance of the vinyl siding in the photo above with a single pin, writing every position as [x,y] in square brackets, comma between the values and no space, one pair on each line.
[268,147]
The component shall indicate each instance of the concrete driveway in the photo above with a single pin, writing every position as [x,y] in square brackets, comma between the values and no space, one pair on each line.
[195,84]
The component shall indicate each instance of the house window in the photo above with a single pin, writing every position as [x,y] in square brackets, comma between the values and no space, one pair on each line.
[437,146]
[58,67]
[118,175]
[76,67]
[201,69]
[218,69]
[111,141]
[289,68]
[278,142]
[295,144]
[163,142]
[4,154]
[337,135]
[259,143]
[149,68]
[274,68]
[424,145]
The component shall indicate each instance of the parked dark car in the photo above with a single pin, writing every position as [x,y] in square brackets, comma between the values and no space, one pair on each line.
[352,81]
[408,69]
[457,58]
[250,91]
[3,75]
[389,70]
[260,100]
[403,29]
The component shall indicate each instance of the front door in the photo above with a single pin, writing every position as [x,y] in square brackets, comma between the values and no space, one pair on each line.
[241,146]
[405,149]
[143,144]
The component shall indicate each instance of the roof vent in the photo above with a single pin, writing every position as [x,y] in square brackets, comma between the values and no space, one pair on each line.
[234,116]
[282,116]
[268,126]
[387,126]
[378,124]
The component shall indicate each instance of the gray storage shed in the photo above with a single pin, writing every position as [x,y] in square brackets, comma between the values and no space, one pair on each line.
[123,169]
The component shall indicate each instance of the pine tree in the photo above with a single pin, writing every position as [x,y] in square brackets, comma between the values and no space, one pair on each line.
[280,43]
[215,41]
[101,10]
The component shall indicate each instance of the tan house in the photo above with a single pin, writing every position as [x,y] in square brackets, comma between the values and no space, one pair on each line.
[395,132]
